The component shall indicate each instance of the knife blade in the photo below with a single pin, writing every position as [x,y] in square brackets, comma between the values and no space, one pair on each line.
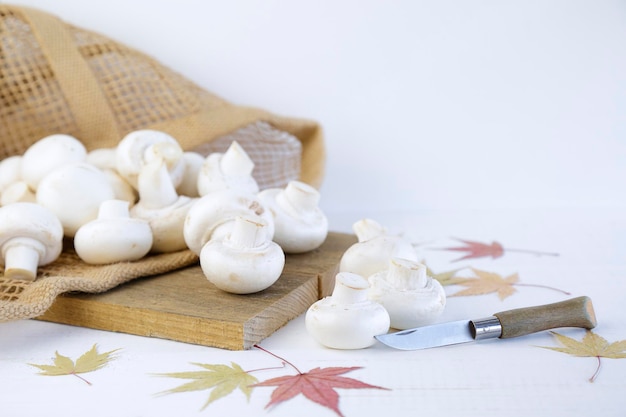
[575,312]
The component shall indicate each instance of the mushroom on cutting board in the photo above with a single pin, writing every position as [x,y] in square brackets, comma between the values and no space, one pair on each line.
[299,223]
[245,261]
[213,216]
[30,236]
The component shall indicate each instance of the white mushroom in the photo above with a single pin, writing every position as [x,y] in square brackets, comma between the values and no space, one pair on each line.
[409,295]
[189,184]
[74,192]
[105,159]
[229,170]
[347,319]
[246,261]
[16,192]
[140,147]
[374,249]
[161,207]
[114,236]
[299,223]
[9,171]
[213,216]
[47,154]
[30,236]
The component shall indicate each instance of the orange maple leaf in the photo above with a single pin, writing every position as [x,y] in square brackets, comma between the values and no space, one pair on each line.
[318,385]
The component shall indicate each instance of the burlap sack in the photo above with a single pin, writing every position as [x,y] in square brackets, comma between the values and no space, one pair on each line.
[57,78]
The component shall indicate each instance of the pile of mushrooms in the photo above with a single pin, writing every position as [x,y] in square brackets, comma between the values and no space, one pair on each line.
[380,285]
[145,196]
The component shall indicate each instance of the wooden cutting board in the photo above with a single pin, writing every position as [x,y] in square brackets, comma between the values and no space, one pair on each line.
[184,306]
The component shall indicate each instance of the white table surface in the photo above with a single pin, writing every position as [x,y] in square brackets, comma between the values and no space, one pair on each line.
[513,377]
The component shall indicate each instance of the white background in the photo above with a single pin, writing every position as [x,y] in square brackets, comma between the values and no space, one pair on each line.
[425,104]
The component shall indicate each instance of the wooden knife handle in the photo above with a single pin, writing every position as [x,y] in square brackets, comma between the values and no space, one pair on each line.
[576,312]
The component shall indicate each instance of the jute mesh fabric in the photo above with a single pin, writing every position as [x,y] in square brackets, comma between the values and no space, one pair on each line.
[59,78]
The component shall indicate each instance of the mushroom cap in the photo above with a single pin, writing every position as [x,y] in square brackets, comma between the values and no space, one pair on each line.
[370,256]
[74,193]
[49,153]
[32,221]
[9,171]
[141,146]
[346,321]
[218,210]
[411,298]
[105,241]
[238,271]
[299,224]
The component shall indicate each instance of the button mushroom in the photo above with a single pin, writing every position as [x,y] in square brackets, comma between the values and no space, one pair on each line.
[140,147]
[410,296]
[74,192]
[213,216]
[47,154]
[30,236]
[229,170]
[114,236]
[161,206]
[299,223]
[347,319]
[245,261]
[374,249]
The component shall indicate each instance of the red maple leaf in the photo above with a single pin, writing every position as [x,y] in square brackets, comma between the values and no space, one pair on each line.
[318,385]
[495,250]
[478,250]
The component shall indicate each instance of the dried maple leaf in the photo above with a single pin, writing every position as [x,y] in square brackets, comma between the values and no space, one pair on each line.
[221,379]
[490,282]
[494,250]
[591,346]
[88,362]
[318,385]
[487,283]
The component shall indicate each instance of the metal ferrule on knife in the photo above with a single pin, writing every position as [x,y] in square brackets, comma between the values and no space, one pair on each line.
[486,328]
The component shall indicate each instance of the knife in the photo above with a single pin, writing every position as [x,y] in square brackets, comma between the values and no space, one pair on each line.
[576,312]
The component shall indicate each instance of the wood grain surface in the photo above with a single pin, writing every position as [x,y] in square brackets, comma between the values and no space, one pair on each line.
[184,306]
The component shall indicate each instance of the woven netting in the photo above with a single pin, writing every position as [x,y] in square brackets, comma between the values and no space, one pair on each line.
[58,78]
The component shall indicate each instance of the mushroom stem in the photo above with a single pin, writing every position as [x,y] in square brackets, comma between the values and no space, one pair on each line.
[246,233]
[350,288]
[155,186]
[367,229]
[113,209]
[406,275]
[235,161]
[21,258]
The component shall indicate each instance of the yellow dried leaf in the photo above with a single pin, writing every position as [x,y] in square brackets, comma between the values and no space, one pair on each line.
[221,379]
[487,283]
[592,345]
[88,362]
